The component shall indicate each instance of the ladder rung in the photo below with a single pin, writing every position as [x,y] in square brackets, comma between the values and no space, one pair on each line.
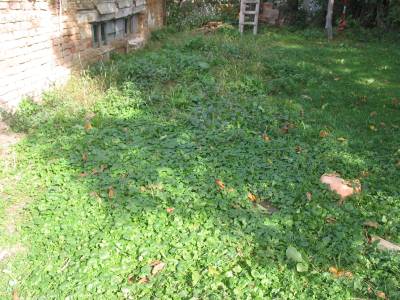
[248,23]
[250,12]
[251,1]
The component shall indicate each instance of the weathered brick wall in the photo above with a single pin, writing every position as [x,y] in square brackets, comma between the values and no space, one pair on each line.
[40,43]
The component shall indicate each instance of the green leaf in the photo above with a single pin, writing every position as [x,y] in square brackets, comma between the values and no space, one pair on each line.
[293,254]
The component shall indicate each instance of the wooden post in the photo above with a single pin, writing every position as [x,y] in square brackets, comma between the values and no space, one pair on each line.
[328,23]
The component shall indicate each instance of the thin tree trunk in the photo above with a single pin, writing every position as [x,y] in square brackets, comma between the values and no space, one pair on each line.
[328,23]
[306,7]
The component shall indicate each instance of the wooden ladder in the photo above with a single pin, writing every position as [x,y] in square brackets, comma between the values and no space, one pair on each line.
[249,8]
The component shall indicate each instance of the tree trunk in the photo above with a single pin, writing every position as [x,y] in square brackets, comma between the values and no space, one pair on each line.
[306,7]
[328,23]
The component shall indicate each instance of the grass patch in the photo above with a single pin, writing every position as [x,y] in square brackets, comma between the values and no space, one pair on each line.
[191,109]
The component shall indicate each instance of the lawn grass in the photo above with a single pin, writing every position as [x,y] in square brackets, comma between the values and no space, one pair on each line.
[190,109]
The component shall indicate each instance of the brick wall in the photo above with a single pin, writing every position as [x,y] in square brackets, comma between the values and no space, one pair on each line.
[42,41]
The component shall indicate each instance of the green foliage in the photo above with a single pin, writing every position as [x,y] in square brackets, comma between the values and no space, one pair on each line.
[190,109]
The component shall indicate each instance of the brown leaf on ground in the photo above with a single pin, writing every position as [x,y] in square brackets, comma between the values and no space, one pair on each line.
[266,138]
[385,245]
[364,174]
[131,278]
[337,273]
[266,206]
[220,184]
[380,295]
[398,164]
[15,295]
[343,188]
[298,149]
[373,114]
[323,133]
[83,174]
[395,102]
[111,192]
[309,196]
[88,126]
[285,129]
[251,197]
[170,210]
[85,156]
[157,267]
[143,280]
[330,219]
[371,224]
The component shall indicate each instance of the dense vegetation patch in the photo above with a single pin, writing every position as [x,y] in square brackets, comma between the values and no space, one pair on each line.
[163,187]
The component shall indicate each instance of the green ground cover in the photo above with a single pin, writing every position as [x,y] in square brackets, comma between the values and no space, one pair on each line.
[178,115]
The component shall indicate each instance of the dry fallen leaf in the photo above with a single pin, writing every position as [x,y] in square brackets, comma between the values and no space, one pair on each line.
[330,220]
[380,295]
[373,114]
[340,273]
[340,186]
[285,128]
[383,124]
[251,197]
[84,156]
[170,210]
[266,138]
[83,175]
[309,196]
[157,267]
[298,149]
[88,126]
[143,280]
[111,192]
[371,224]
[220,184]
[337,78]
[323,133]
[15,295]
[364,173]
[384,244]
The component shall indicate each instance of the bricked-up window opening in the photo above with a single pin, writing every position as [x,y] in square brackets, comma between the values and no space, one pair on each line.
[105,32]
[126,22]
[95,31]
